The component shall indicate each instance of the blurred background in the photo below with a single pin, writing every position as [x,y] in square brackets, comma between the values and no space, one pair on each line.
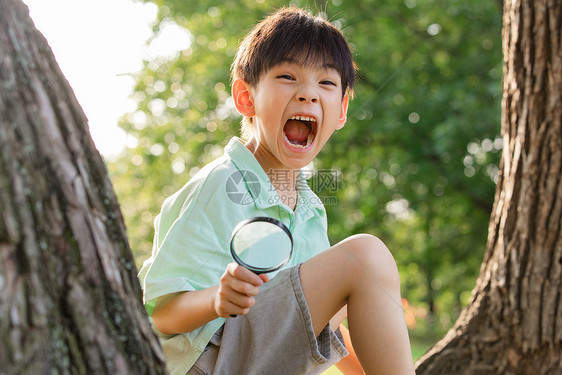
[416,163]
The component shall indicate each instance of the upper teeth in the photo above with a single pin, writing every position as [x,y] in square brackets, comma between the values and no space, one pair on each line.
[303,118]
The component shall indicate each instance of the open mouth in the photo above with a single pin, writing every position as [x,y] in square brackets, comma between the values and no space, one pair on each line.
[299,131]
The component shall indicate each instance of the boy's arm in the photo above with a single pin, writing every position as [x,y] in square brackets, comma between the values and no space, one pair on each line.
[186,311]
[349,365]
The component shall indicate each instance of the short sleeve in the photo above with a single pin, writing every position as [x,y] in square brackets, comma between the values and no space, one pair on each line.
[190,258]
[192,237]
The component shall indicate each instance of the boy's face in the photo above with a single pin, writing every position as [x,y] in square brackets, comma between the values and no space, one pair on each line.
[295,111]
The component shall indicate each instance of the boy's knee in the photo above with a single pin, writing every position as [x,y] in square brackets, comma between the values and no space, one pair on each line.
[373,257]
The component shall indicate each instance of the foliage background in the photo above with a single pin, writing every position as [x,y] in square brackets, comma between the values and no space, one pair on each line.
[417,160]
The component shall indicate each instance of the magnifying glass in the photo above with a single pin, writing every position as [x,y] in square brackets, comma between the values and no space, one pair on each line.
[261,244]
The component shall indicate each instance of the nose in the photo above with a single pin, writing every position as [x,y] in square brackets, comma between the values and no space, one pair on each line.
[307,95]
[304,99]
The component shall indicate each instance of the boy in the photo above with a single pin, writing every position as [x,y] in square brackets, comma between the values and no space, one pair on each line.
[291,81]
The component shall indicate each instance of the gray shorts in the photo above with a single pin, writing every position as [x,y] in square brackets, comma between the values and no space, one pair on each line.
[275,337]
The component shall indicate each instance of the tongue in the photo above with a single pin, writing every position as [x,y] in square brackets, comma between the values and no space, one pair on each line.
[297,131]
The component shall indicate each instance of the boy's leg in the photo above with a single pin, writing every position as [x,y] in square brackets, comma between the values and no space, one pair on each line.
[276,336]
[361,272]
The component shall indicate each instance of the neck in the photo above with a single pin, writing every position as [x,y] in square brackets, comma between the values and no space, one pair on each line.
[283,179]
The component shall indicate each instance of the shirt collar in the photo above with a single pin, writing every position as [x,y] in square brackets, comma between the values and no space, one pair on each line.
[260,187]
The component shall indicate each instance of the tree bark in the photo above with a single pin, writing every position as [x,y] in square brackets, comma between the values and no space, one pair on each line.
[70,302]
[513,324]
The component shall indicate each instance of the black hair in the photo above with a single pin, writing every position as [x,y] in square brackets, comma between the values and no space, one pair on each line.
[292,34]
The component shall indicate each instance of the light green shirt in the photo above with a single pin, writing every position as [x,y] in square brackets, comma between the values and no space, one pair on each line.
[192,237]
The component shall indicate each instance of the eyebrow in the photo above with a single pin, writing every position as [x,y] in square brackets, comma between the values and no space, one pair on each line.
[292,60]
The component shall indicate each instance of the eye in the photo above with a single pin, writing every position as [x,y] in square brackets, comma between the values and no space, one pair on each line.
[285,76]
[328,82]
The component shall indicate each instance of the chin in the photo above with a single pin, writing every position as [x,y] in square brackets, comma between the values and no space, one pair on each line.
[299,162]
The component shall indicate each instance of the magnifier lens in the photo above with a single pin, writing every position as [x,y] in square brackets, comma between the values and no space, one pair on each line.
[261,244]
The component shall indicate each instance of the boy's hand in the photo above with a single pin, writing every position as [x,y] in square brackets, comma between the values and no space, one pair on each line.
[237,289]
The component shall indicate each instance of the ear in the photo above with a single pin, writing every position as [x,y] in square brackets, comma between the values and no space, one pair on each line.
[243,98]
[343,114]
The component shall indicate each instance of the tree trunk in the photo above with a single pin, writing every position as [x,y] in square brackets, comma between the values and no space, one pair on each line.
[513,324]
[69,296]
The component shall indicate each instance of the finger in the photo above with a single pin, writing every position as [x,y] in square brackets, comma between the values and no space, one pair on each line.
[242,301]
[243,287]
[230,284]
[228,309]
[244,274]
[264,277]
[231,302]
